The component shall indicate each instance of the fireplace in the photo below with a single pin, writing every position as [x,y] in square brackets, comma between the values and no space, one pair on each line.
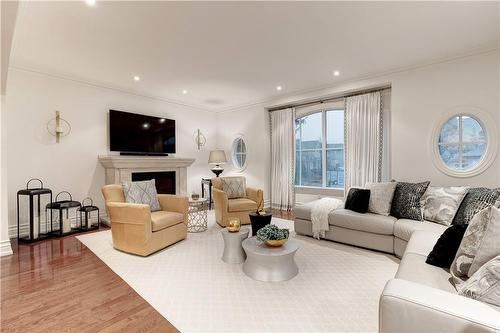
[164,180]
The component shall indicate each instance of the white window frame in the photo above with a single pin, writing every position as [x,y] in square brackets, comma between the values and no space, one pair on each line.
[488,125]
[234,153]
[323,110]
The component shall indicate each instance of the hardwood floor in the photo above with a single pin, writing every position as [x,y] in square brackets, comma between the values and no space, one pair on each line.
[59,285]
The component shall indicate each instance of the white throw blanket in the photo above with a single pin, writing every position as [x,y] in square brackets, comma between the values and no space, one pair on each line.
[319,215]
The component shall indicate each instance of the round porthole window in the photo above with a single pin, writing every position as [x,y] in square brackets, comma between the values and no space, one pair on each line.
[239,153]
[463,145]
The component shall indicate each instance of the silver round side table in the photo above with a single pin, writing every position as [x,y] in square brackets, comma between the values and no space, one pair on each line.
[197,215]
[266,263]
[233,252]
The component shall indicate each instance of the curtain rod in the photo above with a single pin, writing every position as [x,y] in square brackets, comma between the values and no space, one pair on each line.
[330,99]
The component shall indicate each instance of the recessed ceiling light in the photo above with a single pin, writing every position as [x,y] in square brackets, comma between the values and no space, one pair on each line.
[336,73]
[184,92]
[279,88]
[137,78]
[90,2]
[145,125]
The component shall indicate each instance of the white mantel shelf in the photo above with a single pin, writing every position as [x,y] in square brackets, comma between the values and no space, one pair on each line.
[143,162]
[120,168]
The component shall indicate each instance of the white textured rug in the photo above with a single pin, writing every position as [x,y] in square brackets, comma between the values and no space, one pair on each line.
[337,288]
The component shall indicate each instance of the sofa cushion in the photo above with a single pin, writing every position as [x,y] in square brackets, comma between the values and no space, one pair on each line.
[142,192]
[479,244]
[358,200]
[381,197]
[440,204]
[484,284]
[446,247]
[406,200]
[234,187]
[403,228]
[374,223]
[241,205]
[477,199]
[162,219]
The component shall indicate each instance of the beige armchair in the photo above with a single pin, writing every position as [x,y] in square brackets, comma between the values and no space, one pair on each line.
[135,229]
[240,208]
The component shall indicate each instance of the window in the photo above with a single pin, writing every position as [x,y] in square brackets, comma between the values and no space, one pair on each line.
[319,150]
[239,153]
[462,143]
[465,142]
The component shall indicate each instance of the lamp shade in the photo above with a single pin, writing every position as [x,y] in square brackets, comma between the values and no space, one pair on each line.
[217,157]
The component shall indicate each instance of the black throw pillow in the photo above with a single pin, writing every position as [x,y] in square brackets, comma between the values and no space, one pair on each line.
[358,200]
[446,247]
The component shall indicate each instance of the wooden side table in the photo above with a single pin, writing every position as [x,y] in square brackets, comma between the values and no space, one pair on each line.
[206,183]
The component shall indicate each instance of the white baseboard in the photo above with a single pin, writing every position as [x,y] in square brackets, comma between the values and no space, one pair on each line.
[24,228]
[5,248]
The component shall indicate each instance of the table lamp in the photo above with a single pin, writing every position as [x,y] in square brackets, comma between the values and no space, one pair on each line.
[217,157]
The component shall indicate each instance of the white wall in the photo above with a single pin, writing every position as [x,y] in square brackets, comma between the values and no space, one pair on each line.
[253,124]
[72,165]
[420,98]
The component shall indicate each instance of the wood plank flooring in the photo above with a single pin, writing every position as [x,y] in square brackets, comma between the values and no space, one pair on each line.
[59,285]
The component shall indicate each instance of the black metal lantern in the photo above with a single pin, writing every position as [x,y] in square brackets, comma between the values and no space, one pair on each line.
[65,217]
[89,215]
[31,223]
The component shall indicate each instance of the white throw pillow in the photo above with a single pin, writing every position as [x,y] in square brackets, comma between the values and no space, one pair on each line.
[479,244]
[484,285]
[142,192]
[440,204]
[235,187]
[381,195]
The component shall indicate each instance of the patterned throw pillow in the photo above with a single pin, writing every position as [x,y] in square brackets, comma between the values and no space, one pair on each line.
[484,285]
[381,197]
[142,192]
[235,187]
[406,201]
[479,244]
[440,204]
[476,200]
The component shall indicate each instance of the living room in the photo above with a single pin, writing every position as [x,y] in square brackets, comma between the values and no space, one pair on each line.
[264,97]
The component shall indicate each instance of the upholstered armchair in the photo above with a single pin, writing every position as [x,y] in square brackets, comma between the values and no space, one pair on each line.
[136,229]
[227,207]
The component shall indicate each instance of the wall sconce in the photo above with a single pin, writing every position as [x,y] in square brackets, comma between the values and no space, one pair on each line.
[58,127]
[200,139]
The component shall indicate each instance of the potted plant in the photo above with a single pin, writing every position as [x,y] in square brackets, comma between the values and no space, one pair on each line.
[271,235]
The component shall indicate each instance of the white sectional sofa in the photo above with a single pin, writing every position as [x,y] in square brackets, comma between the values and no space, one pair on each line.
[421,297]
[372,231]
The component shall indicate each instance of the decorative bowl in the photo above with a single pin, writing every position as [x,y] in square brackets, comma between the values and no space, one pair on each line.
[233,225]
[275,243]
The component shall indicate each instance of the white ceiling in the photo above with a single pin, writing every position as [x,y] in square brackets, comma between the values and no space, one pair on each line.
[234,53]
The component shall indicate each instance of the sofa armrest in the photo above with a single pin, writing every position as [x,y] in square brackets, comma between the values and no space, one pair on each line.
[174,203]
[129,213]
[255,195]
[407,306]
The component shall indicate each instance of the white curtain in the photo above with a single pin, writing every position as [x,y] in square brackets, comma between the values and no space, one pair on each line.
[363,140]
[282,159]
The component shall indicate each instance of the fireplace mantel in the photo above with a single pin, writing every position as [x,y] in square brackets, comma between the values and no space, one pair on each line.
[120,168]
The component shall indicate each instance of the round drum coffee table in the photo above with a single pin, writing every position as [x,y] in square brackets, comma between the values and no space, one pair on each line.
[266,263]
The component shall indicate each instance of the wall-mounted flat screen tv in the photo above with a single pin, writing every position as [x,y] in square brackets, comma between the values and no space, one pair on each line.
[132,133]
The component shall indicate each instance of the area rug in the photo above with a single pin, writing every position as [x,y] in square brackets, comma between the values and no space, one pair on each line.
[337,288]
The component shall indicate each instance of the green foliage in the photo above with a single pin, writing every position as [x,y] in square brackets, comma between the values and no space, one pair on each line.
[272,232]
